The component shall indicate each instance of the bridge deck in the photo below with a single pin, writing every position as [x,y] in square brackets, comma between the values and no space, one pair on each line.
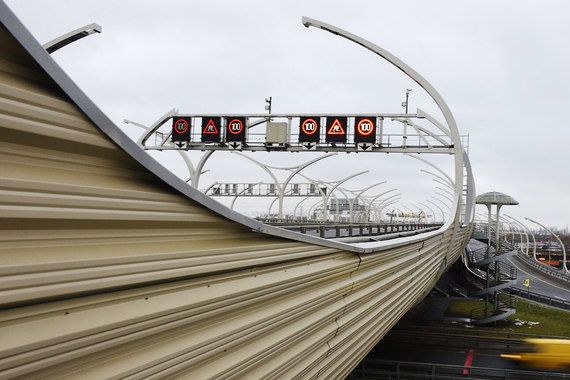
[113,267]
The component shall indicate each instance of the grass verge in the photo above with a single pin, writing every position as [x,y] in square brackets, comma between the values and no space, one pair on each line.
[530,318]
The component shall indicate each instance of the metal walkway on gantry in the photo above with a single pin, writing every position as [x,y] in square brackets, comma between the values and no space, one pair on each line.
[113,267]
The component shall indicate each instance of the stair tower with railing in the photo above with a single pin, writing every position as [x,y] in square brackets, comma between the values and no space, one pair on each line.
[495,275]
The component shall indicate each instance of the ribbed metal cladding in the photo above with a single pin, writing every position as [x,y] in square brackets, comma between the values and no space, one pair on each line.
[107,272]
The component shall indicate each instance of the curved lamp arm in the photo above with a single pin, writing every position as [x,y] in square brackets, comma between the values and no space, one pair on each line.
[72,36]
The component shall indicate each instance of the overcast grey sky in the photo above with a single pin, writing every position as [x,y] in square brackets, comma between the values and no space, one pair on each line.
[502,66]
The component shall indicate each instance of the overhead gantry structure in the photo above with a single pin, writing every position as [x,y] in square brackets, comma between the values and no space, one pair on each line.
[113,267]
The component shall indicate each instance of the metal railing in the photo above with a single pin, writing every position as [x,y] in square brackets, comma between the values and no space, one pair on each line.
[392,369]
[339,230]
[537,297]
[506,303]
[546,269]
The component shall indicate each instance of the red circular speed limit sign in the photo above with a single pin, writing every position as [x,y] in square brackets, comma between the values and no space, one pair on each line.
[309,126]
[181,126]
[365,127]
[235,126]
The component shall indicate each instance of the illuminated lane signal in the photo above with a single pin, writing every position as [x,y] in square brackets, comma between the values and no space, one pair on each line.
[365,129]
[236,129]
[310,129]
[336,129]
[211,127]
[181,129]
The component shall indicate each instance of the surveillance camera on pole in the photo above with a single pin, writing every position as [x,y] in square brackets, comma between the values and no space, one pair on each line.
[268,105]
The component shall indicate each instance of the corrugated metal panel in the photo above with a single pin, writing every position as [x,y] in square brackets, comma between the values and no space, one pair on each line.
[117,275]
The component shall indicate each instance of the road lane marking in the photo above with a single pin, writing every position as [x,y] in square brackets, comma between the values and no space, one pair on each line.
[537,278]
[468,362]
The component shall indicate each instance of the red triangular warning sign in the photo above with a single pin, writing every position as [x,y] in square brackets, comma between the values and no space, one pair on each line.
[210,128]
[336,128]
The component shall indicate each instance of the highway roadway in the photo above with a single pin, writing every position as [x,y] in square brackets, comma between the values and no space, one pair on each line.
[539,283]
[417,351]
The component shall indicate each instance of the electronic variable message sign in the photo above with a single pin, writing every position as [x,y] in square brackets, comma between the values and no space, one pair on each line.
[336,129]
[211,127]
[236,129]
[181,129]
[309,129]
[365,129]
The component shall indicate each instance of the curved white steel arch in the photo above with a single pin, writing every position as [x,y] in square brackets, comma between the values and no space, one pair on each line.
[559,241]
[442,202]
[392,202]
[378,196]
[440,177]
[355,199]
[318,184]
[240,193]
[433,166]
[439,208]
[298,204]
[371,205]
[295,172]
[528,232]
[444,196]
[446,191]
[469,214]
[280,187]
[440,182]
[340,182]
[430,209]
[513,230]
[422,82]
[512,222]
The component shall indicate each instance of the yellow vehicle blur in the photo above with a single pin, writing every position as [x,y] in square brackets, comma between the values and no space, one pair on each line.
[542,353]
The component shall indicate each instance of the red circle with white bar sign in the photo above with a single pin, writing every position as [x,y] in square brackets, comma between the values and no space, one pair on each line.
[309,126]
[365,127]
[235,126]
[181,126]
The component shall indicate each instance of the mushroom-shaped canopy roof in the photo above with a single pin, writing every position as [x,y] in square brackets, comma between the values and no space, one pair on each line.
[495,198]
